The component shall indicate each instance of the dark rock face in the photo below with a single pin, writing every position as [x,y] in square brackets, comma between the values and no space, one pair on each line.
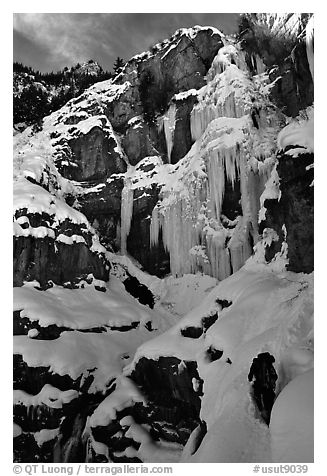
[194,332]
[141,141]
[263,377]
[167,382]
[69,445]
[95,157]
[224,303]
[295,210]
[183,68]
[102,209]
[22,325]
[47,260]
[26,449]
[214,354]
[33,379]
[114,437]
[285,58]
[155,260]
[139,291]
[294,90]
[44,260]
[182,133]
[171,412]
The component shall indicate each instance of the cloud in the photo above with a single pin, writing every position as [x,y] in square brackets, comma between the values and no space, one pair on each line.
[55,40]
[67,38]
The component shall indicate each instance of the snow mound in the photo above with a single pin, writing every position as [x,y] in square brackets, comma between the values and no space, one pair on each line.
[292,419]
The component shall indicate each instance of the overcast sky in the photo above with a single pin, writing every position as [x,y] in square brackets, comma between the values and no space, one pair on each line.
[50,41]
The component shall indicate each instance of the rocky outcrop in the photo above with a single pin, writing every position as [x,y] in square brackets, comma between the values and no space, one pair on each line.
[295,211]
[279,40]
[182,132]
[263,379]
[172,389]
[50,259]
[175,65]
[94,157]
[293,88]
[142,140]
[44,261]
[101,204]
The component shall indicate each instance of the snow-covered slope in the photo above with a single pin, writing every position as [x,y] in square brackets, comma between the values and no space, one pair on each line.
[178,168]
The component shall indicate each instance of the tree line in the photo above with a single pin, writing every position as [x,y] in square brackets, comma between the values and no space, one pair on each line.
[43,93]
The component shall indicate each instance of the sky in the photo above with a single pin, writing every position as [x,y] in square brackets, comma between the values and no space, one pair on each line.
[51,41]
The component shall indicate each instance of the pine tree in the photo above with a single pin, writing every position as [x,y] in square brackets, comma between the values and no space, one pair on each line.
[118,65]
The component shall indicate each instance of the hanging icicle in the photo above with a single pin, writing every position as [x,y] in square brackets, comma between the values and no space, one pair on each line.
[126,212]
[310,43]
[168,124]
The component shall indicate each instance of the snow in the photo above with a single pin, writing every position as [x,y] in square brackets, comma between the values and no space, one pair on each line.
[45,435]
[69,240]
[17,431]
[180,295]
[49,395]
[37,199]
[292,419]
[149,450]
[80,308]
[77,353]
[271,192]
[81,354]
[123,396]
[299,132]
[33,333]
[37,232]
[185,94]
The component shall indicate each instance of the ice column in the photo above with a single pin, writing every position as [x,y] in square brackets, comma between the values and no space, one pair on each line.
[169,128]
[126,213]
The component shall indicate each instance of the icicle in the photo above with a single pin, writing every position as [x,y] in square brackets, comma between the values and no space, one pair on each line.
[309,41]
[168,124]
[226,147]
[126,213]
[154,227]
